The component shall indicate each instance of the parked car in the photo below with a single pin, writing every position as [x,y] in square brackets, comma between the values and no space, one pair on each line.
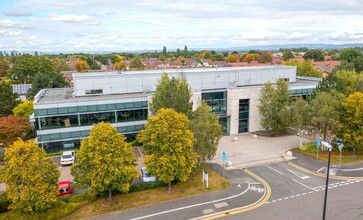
[145,176]
[68,157]
[64,188]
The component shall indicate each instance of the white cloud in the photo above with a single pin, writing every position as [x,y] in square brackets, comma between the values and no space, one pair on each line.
[17,13]
[346,35]
[8,23]
[298,35]
[70,18]
[9,33]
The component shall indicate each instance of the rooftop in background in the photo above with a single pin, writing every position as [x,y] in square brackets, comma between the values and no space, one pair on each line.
[21,89]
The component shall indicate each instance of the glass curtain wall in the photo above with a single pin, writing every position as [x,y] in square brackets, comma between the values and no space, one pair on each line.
[244,107]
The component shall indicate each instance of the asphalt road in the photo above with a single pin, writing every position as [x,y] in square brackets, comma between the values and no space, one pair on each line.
[344,202]
[245,190]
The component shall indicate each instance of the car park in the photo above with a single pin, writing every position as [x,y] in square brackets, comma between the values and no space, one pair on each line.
[64,188]
[145,176]
[68,157]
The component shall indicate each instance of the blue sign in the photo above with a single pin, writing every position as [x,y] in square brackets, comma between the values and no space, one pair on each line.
[224,156]
[318,142]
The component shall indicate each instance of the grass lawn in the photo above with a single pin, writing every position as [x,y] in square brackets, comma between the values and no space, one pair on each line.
[193,186]
[347,157]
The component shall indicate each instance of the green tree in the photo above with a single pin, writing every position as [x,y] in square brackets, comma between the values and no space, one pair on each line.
[137,63]
[8,100]
[106,161]
[287,55]
[24,109]
[165,52]
[178,53]
[31,178]
[186,52]
[352,120]
[358,64]
[273,106]
[325,110]
[60,64]
[168,143]
[162,57]
[4,68]
[219,56]
[349,54]
[316,55]
[231,58]
[207,131]
[14,127]
[27,66]
[95,66]
[305,68]
[43,81]
[172,93]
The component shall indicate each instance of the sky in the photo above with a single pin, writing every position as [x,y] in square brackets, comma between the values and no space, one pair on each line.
[130,25]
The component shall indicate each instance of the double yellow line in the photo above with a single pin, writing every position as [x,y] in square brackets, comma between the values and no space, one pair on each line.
[323,175]
[255,205]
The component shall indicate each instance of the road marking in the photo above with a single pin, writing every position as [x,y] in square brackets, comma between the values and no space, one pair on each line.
[220,205]
[347,170]
[318,171]
[322,175]
[274,169]
[257,189]
[303,194]
[191,206]
[300,175]
[266,196]
[303,184]
[208,211]
[273,200]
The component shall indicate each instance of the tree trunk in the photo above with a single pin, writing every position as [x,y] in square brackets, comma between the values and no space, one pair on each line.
[354,151]
[109,196]
[169,187]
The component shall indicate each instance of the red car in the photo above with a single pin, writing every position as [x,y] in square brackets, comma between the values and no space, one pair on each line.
[64,188]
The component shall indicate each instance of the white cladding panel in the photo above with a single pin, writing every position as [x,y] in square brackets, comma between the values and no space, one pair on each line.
[198,79]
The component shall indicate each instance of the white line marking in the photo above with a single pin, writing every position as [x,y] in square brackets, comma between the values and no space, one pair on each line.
[273,201]
[318,171]
[286,197]
[191,206]
[300,175]
[208,211]
[279,200]
[351,169]
[292,196]
[274,169]
[304,185]
[303,194]
[267,202]
[220,205]
[298,195]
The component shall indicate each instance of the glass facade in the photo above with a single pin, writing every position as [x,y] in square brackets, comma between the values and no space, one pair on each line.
[244,109]
[217,101]
[300,92]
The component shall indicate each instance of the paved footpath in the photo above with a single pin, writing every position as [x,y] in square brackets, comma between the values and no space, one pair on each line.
[245,190]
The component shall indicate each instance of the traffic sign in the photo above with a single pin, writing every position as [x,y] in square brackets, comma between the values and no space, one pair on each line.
[224,156]
[318,141]
[340,146]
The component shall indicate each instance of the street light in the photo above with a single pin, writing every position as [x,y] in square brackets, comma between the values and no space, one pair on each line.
[327,145]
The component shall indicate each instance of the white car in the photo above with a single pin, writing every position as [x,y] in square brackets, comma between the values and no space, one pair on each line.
[68,157]
[145,176]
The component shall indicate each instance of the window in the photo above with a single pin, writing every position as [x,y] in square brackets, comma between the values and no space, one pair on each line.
[94,91]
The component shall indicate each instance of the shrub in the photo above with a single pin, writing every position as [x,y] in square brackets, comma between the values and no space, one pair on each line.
[81,198]
[146,186]
[4,202]
[135,143]
[309,147]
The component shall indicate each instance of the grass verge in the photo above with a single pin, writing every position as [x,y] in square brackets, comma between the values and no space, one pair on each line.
[193,186]
[323,155]
[63,207]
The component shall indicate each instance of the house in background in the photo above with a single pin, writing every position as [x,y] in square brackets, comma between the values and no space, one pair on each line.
[21,90]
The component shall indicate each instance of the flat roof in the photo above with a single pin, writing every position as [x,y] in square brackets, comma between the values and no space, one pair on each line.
[65,95]
[188,70]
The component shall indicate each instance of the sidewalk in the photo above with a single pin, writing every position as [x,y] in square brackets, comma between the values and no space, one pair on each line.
[248,152]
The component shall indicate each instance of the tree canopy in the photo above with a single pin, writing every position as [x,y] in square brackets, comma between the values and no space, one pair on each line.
[106,162]
[60,64]
[43,81]
[273,106]
[316,55]
[172,93]
[24,109]
[8,100]
[4,68]
[168,142]
[305,68]
[27,66]
[31,179]
[14,127]
[207,131]
[137,63]
[82,66]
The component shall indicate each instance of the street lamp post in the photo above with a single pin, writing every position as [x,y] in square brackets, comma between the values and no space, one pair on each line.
[327,145]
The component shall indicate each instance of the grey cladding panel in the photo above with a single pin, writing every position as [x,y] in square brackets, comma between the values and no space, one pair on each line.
[208,81]
[222,80]
[194,81]
[256,77]
[134,84]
